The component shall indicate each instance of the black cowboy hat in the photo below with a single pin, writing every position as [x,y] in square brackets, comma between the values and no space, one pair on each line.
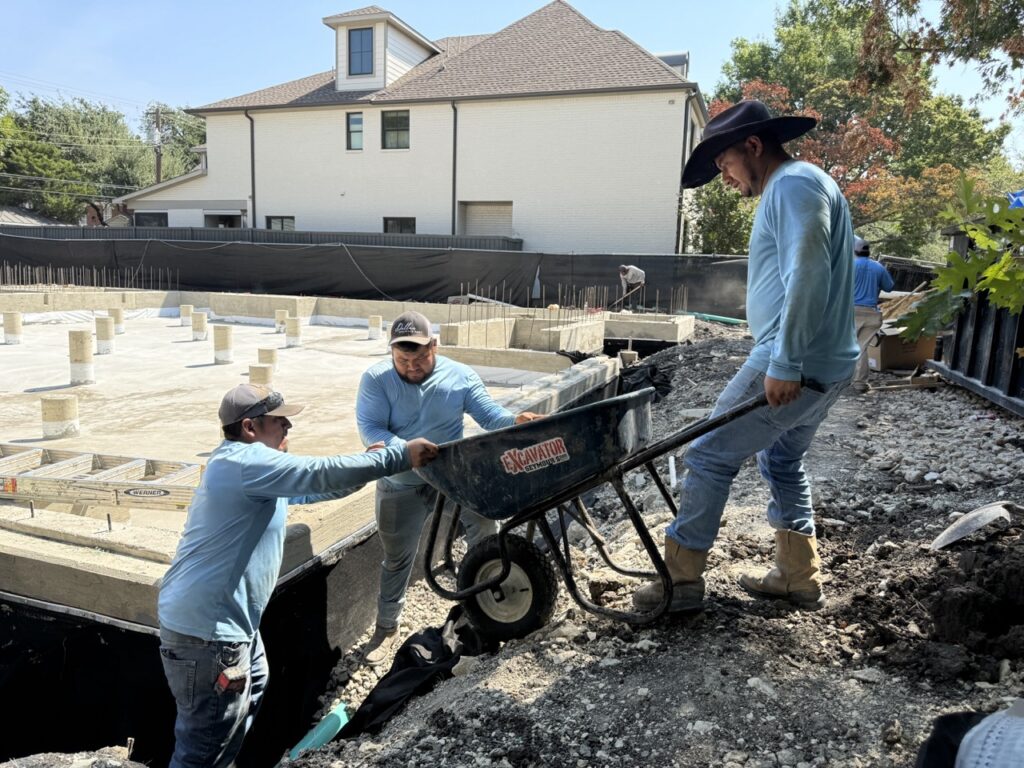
[739,121]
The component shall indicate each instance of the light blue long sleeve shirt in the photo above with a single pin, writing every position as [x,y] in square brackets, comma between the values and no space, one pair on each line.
[391,410]
[869,277]
[800,278]
[230,552]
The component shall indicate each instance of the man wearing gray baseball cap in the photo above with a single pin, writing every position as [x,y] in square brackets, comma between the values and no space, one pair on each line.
[229,555]
[416,392]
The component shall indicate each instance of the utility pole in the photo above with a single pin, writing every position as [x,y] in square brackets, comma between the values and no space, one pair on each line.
[158,146]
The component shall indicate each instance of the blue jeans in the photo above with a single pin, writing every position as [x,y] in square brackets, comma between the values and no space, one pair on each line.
[210,725]
[401,514]
[778,436]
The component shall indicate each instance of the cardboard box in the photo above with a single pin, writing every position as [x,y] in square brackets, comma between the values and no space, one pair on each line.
[892,353]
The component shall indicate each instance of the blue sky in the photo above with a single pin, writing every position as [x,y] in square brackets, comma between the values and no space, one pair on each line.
[193,52]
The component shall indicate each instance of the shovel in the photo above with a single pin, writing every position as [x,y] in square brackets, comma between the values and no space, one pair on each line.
[973,521]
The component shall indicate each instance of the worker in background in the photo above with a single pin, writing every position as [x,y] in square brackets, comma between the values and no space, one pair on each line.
[800,311]
[223,573]
[416,392]
[632,279]
[869,279]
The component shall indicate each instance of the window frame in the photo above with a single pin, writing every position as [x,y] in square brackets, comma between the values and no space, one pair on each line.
[349,133]
[361,53]
[401,222]
[384,130]
[135,218]
[282,219]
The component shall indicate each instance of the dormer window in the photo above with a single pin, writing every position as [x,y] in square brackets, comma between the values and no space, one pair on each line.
[360,51]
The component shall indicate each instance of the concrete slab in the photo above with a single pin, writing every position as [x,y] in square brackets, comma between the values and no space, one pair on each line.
[156,397]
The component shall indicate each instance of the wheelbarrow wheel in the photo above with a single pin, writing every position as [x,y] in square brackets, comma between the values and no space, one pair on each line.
[523,602]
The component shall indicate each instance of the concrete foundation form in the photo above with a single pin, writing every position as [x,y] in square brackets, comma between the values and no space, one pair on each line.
[101,550]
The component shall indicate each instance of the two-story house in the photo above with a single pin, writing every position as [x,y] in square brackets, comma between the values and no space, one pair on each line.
[553,130]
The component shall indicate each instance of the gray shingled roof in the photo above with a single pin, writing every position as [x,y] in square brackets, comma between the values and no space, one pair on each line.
[553,50]
[367,11]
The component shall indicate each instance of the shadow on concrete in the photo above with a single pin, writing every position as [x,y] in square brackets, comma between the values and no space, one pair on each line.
[52,388]
[201,365]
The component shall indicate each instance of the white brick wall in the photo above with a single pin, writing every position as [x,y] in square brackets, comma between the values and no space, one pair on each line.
[591,174]
[585,173]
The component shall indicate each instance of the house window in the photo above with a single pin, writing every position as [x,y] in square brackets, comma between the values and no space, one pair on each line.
[150,219]
[360,51]
[354,130]
[400,225]
[283,223]
[395,127]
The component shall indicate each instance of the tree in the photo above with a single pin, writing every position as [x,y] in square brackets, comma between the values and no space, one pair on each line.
[898,40]
[896,168]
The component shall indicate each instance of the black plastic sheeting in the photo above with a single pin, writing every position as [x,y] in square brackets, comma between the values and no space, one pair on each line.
[356,272]
[715,284]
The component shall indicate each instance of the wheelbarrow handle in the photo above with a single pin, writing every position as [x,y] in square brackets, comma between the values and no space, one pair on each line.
[692,432]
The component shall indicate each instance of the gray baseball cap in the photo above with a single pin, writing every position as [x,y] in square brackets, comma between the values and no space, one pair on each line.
[247,401]
[411,326]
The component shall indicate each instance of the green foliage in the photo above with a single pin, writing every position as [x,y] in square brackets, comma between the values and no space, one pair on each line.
[179,132]
[898,40]
[897,161]
[943,130]
[994,265]
[725,220]
[59,154]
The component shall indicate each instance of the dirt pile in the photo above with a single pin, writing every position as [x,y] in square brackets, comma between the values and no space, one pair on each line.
[908,633]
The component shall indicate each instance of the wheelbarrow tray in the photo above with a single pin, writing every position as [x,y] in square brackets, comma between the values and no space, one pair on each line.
[501,473]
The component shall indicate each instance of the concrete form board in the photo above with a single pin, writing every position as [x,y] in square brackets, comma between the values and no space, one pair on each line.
[158,396]
[673,328]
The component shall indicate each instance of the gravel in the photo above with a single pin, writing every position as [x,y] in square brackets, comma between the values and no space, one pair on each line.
[908,633]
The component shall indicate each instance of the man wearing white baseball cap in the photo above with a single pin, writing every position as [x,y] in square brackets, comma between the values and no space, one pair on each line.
[416,392]
[220,581]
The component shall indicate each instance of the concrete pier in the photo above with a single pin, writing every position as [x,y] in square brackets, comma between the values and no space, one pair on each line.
[293,332]
[12,327]
[185,313]
[80,352]
[267,356]
[375,322]
[199,326]
[280,320]
[222,348]
[118,315]
[104,335]
[261,374]
[60,416]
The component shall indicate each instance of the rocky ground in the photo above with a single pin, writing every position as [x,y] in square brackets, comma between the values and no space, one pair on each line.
[908,633]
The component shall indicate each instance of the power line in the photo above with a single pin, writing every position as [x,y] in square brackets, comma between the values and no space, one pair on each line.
[56,136]
[50,85]
[67,181]
[55,192]
[126,145]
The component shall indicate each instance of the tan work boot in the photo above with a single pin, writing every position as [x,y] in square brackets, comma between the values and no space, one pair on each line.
[383,642]
[797,573]
[685,566]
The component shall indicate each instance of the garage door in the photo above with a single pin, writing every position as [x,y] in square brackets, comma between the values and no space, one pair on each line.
[486,219]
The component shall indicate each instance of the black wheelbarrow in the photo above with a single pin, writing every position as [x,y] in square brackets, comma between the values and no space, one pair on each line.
[506,582]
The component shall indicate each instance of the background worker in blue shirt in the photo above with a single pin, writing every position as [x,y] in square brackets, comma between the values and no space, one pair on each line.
[869,279]
[416,392]
[800,311]
[223,573]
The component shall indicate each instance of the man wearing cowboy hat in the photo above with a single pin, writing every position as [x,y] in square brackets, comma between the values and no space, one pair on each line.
[800,311]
